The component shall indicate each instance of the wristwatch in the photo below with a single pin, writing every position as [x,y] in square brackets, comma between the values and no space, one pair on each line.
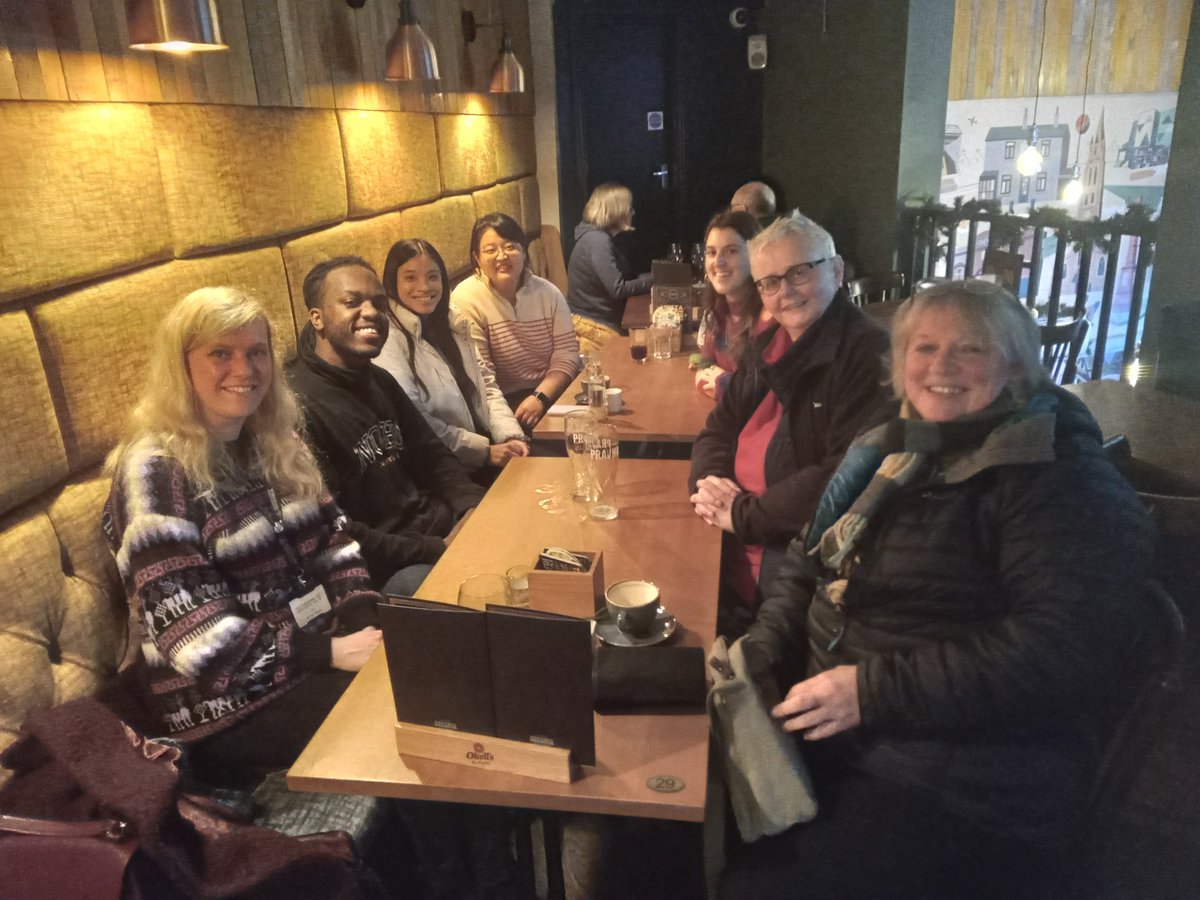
[543,399]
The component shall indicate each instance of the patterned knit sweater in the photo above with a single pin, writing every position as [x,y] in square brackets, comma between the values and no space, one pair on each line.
[519,344]
[211,582]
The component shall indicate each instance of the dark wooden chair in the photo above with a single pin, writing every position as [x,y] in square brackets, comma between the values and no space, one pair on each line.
[1061,343]
[875,288]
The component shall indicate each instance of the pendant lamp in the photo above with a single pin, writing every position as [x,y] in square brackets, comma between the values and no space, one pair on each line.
[174,26]
[410,53]
[507,75]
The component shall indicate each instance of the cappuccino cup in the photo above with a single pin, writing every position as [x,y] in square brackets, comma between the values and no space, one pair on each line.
[633,604]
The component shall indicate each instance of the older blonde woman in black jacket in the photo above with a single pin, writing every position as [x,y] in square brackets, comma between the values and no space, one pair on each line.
[968,597]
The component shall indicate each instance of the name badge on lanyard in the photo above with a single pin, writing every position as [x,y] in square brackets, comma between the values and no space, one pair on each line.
[311,605]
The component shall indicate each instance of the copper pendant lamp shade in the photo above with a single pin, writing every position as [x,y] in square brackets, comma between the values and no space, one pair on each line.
[410,53]
[508,77]
[174,26]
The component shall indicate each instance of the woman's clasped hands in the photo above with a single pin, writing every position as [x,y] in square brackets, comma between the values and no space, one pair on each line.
[713,500]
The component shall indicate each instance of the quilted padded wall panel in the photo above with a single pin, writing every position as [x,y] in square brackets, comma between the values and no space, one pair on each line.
[505,198]
[370,238]
[475,151]
[531,205]
[235,175]
[34,456]
[447,225]
[29,619]
[98,339]
[82,195]
[391,160]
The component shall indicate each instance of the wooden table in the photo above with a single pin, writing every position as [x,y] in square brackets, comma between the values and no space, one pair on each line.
[656,536]
[660,396]
[1163,431]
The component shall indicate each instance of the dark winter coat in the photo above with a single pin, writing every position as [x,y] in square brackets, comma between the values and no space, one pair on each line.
[599,280]
[994,613]
[830,383]
[400,486]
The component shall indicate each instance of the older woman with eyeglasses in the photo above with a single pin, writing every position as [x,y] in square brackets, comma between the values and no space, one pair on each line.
[520,323]
[808,385]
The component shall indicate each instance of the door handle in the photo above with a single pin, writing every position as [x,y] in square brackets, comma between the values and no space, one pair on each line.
[662,174]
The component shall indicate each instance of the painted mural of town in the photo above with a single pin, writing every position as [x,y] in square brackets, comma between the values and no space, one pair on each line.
[1116,146]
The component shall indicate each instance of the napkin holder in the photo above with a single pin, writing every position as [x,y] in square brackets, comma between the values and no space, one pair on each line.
[578,594]
[484,752]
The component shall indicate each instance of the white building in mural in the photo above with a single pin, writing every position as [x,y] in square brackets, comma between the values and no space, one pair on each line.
[1000,179]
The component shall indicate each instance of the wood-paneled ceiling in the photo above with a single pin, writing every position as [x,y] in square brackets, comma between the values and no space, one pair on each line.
[1137,47]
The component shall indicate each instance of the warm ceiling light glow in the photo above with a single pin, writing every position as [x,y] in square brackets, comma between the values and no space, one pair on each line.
[174,26]
[410,53]
[1074,189]
[1030,161]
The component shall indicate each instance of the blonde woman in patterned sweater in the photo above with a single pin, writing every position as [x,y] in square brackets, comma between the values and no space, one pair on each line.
[255,609]
[520,323]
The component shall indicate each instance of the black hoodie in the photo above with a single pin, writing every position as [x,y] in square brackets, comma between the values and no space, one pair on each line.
[399,485]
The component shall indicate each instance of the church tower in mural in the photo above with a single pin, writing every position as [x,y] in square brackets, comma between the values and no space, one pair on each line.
[1092,202]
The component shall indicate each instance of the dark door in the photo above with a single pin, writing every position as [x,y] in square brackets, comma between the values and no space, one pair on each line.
[618,63]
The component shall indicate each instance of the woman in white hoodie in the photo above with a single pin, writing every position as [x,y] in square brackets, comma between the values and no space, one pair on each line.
[430,353]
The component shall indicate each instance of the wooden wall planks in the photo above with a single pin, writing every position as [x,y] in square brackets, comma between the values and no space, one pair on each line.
[296,53]
[1138,47]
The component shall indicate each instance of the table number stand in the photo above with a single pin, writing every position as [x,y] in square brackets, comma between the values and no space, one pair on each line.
[485,752]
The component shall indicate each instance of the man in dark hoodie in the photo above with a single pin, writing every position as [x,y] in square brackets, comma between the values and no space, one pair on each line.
[398,484]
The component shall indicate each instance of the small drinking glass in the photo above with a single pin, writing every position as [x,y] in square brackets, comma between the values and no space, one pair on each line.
[661,340]
[478,591]
[597,398]
[518,585]
[638,348]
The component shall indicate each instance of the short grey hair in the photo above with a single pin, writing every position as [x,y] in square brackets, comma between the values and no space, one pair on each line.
[991,311]
[795,225]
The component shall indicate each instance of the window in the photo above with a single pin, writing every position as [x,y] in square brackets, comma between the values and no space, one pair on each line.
[987,188]
[1024,189]
[1005,184]
[1045,147]
[1041,181]
[1010,149]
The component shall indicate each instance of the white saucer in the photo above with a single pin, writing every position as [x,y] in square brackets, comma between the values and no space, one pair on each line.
[607,630]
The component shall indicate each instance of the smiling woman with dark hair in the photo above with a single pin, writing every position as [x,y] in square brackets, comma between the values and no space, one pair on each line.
[430,353]
[520,323]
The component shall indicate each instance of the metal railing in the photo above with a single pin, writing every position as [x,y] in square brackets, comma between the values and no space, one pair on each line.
[1070,268]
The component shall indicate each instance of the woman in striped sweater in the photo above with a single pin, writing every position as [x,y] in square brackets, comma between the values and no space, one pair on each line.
[520,323]
[255,609]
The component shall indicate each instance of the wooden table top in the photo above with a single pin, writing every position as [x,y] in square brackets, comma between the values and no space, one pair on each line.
[1163,430]
[660,396]
[656,536]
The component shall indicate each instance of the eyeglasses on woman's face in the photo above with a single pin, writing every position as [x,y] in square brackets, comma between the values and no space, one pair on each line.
[505,248]
[797,276]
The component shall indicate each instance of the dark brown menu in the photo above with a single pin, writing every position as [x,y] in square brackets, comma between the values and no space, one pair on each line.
[542,679]
[437,655]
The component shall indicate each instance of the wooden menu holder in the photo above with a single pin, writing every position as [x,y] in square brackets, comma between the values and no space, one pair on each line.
[578,594]
[485,752]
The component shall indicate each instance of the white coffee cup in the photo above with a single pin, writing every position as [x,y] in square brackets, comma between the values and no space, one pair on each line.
[614,400]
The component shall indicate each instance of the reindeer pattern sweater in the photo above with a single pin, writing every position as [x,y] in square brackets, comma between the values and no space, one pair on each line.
[211,580]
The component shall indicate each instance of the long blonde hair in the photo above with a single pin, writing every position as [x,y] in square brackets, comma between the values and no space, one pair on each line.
[169,413]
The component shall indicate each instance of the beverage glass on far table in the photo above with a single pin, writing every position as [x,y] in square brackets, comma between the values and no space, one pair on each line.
[660,341]
[637,344]
[577,426]
[604,453]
